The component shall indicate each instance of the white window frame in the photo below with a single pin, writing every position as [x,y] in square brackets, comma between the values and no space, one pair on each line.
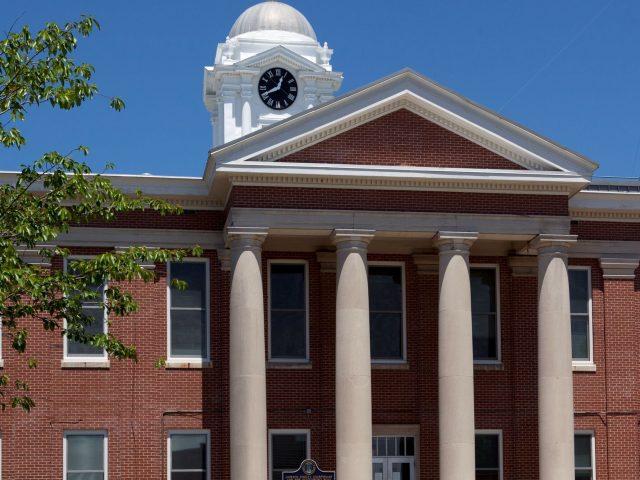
[592,436]
[105,448]
[284,431]
[206,433]
[586,363]
[497,432]
[306,287]
[191,360]
[376,263]
[87,359]
[496,268]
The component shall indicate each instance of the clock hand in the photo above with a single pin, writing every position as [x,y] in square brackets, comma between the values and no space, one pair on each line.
[276,88]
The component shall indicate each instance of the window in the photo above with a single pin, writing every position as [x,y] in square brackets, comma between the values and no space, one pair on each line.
[96,310]
[488,455]
[584,455]
[287,450]
[484,309]
[85,455]
[288,311]
[189,457]
[189,310]
[580,295]
[386,312]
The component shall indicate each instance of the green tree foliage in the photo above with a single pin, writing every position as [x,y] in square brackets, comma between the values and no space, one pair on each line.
[51,195]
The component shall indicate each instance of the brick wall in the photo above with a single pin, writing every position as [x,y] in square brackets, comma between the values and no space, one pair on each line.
[394,200]
[416,142]
[136,402]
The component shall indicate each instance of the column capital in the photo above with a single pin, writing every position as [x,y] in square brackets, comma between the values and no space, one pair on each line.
[454,241]
[552,243]
[619,268]
[327,261]
[351,238]
[224,257]
[245,236]
[427,264]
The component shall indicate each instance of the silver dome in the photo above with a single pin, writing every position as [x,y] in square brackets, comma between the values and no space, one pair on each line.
[272,15]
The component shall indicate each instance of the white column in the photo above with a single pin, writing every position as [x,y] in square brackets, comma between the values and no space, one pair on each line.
[455,358]
[555,377]
[248,386]
[353,356]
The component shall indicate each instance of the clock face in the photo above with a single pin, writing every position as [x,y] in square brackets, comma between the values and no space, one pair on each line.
[278,89]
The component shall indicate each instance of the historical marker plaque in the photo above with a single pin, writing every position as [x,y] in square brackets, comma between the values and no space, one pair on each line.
[309,471]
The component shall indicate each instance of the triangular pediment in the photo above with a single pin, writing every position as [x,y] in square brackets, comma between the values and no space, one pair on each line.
[279,56]
[489,151]
[402,138]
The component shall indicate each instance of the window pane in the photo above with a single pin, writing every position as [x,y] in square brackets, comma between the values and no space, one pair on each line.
[188,452]
[85,476]
[288,451]
[288,287]
[579,291]
[85,452]
[386,335]
[492,475]
[81,349]
[188,475]
[288,334]
[188,331]
[484,337]
[584,476]
[194,273]
[410,447]
[483,290]
[385,288]
[582,451]
[487,451]
[580,337]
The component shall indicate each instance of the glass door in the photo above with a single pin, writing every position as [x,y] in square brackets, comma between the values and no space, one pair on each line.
[400,468]
[379,470]
[393,458]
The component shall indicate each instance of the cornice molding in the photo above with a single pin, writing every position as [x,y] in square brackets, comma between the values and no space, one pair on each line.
[604,215]
[367,182]
[402,103]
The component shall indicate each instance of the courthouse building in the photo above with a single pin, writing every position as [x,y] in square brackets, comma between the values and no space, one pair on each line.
[396,283]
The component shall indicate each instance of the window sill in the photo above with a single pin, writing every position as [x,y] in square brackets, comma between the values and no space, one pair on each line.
[186,365]
[97,364]
[390,366]
[584,367]
[289,365]
[488,366]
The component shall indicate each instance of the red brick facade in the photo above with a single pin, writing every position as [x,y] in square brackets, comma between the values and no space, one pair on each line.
[401,138]
[136,403]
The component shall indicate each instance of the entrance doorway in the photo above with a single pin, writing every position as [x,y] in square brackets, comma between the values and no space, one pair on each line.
[393,458]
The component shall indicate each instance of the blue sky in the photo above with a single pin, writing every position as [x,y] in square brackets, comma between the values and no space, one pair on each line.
[568,69]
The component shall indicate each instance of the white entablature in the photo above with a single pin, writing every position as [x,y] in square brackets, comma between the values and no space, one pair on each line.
[268,35]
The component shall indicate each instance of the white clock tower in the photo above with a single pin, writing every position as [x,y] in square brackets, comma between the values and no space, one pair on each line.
[270,67]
